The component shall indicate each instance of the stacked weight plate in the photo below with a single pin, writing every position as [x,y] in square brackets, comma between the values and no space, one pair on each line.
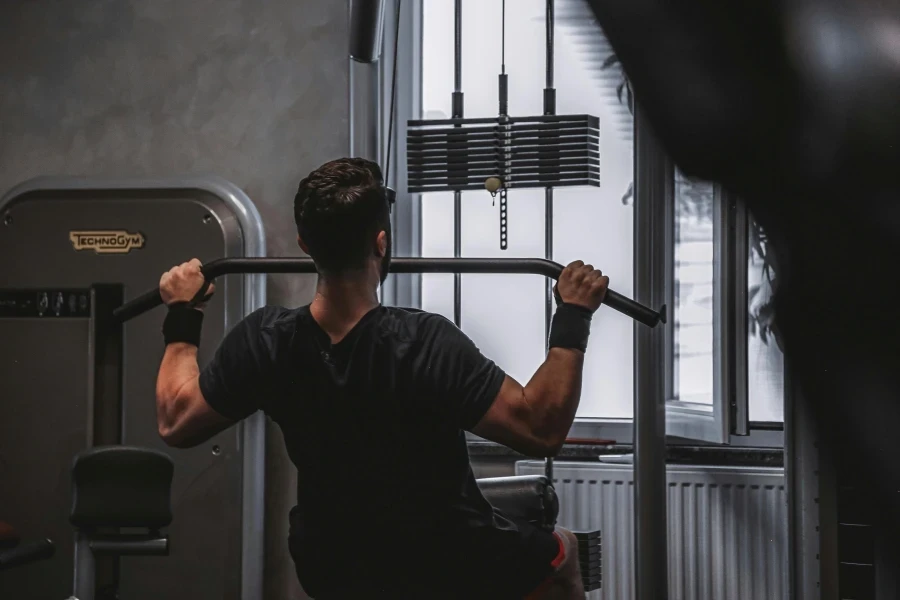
[590,559]
[525,152]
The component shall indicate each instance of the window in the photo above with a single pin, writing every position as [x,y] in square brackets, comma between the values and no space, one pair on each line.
[765,361]
[723,366]
[692,296]
[699,347]
[724,370]
[504,314]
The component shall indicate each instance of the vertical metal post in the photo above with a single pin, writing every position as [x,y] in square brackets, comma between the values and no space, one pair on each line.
[107,402]
[106,369]
[366,29]
[724,340]
[799,469]
[812,504]
[365,84]
[652,176]
[887,557]
[457,253]
[549,109]
[403,290]
[457,195]
[740,410]
[365,110]
[826,502]
[83,587]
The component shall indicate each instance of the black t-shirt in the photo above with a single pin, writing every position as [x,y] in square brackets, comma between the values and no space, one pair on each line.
[375,425]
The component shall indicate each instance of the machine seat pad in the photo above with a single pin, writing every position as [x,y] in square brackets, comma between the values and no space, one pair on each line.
[121,486]
[528,498]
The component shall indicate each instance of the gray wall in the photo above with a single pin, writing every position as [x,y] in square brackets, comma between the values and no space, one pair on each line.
[253,90]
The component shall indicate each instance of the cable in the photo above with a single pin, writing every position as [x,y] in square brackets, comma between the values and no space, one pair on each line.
[551,17]
[387,164]
[549,91]
[503,79]
[503,38]
[457,47]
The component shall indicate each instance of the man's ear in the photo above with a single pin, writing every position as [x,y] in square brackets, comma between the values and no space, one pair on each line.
[302,244]
[381,244]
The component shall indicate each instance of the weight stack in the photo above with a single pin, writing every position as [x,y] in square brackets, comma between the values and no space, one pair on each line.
[590,559]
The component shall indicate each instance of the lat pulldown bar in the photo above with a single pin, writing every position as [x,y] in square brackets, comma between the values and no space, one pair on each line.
[535,266]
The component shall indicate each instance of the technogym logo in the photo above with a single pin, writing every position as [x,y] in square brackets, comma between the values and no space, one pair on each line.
[107,242]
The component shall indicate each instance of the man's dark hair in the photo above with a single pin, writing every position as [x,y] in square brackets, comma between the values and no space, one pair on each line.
[339,209]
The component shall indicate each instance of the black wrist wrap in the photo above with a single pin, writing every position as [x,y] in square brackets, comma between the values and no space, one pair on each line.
[182,324]
[571,327]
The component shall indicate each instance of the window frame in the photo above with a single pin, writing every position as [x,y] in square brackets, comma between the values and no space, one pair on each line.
[685,419]
[406,215]
[653,185]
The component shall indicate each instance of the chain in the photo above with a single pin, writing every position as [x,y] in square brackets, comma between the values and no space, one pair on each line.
[504,218]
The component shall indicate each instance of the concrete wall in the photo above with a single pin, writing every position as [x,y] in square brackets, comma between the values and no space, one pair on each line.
[254,91]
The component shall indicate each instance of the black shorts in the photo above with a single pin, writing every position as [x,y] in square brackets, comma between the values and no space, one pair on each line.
[479,564]
[516,570]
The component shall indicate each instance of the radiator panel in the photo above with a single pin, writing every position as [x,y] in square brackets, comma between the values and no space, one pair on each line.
[727,527]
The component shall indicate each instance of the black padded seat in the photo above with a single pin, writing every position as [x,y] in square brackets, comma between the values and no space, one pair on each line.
[528,498]
[121,486]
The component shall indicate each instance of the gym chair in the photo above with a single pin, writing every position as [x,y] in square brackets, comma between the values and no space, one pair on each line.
[532,499]
[115,487]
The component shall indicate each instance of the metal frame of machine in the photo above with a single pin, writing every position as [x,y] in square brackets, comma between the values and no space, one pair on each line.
[252,238]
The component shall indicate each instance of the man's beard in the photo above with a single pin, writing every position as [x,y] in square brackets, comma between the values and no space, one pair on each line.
[386,259]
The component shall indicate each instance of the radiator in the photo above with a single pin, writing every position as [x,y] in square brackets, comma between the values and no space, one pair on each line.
[727,536]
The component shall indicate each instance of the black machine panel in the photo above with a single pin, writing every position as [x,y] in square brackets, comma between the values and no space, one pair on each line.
[44,421]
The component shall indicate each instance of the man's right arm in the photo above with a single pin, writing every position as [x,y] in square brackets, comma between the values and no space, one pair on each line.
[535,419]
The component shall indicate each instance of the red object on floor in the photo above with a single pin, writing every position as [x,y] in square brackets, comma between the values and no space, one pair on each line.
[541,589]
[7,533]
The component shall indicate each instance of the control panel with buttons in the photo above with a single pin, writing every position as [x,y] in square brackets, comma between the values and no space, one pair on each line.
[45,303]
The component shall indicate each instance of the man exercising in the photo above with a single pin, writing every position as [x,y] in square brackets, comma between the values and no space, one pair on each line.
[374,402]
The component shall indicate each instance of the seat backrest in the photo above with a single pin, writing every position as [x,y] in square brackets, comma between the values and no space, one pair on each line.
[529,498]
[121,486]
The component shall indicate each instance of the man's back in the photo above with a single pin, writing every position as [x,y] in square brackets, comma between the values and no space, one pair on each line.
[375,425]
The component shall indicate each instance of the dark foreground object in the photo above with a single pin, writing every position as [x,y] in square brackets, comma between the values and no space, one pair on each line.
[791,104]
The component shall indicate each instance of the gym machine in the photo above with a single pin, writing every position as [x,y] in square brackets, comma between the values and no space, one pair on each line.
[522,498]
[74,380]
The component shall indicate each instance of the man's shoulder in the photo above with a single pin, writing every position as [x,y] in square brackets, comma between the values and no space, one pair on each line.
[266,332]
[415,317]
[274,319]
[271,314]
[416,324]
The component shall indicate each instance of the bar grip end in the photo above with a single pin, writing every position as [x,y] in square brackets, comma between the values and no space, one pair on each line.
[635,310]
